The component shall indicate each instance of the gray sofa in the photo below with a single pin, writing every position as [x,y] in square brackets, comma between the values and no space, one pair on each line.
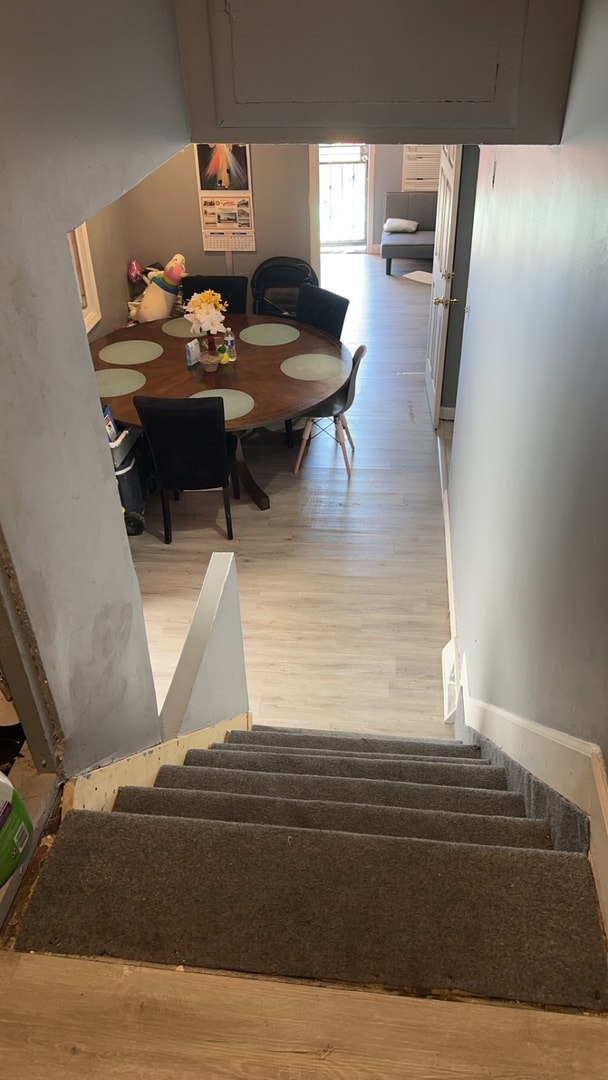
[420,206]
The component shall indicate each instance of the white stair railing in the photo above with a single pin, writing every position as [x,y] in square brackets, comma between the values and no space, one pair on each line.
[209,684]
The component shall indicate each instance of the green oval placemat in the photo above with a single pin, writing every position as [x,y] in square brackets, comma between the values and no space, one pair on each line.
[236,402]
[130,352]
[179,328]
[269,334]
[311,366]
[117,381]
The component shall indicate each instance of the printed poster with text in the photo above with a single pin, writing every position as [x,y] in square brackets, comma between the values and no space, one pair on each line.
[226,203]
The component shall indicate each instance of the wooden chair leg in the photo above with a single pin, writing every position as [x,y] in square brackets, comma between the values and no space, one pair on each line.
[347,430]
[305,437]
[227,511]
[340,439]
[164,502]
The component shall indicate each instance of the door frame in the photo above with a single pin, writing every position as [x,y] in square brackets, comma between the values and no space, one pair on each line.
[443,273]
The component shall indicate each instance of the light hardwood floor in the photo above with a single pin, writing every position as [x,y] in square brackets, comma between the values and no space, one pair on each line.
[74,1019]
[342,584]
[344,605]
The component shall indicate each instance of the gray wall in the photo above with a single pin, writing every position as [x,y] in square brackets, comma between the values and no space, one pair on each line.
[90,105]
[529,477]
[160,216]
[110,252]
[388,162]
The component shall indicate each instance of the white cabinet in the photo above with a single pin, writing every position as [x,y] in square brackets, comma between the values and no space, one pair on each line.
[420,171]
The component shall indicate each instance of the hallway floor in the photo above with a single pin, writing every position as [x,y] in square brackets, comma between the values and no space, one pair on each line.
[342,584]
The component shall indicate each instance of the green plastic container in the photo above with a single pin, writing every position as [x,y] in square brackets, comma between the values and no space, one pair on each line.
[15,829]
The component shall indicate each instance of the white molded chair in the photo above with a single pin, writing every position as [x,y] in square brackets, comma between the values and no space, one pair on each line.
[333,408]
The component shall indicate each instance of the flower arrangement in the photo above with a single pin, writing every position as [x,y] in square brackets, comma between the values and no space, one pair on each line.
[205,310]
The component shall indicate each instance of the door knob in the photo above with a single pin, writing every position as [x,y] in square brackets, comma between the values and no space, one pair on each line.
[437,300]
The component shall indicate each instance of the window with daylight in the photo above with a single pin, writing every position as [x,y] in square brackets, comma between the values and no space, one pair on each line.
[80,251]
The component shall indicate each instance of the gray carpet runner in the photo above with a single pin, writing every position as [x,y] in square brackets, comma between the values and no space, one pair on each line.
[404,864]
[344,789]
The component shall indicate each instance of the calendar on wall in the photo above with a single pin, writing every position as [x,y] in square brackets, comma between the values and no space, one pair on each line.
[225,199]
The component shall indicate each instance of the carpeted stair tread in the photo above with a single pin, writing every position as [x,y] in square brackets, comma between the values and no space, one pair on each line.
[353,741]
[463,800]
[500,922]
[391,768]
[338,817]
[314,751]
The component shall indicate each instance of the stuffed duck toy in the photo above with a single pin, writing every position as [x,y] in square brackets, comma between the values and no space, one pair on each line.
[158,298]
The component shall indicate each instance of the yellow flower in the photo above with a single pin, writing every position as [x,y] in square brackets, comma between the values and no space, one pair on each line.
[208,297]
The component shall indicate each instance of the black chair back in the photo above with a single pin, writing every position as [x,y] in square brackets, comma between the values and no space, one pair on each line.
[323,309]
[190,448]
[232,288]
[276,282]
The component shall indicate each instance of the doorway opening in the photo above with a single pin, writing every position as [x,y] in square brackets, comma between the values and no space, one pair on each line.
[343,194]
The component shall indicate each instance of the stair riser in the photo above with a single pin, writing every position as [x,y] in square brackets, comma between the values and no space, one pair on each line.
[454,775]
[342,817]
[252,748]
[344,789]
[353,741]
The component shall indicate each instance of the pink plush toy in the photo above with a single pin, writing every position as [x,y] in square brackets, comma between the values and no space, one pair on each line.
[159,297]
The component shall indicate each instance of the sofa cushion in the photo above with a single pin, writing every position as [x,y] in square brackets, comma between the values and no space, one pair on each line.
[420,206]
[399,225]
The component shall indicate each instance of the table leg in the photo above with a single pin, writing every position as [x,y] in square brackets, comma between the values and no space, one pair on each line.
[259,497]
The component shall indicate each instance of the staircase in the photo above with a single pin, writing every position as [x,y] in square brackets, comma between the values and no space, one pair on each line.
[400,863]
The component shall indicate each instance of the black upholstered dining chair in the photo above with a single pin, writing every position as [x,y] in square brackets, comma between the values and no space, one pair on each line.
[232,288]
[190,448]
[334,408]
[323,309]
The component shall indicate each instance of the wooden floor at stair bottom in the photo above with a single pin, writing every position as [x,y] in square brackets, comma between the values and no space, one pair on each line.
[71,1018]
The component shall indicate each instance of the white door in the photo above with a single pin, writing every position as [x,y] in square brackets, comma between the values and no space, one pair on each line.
[443,267]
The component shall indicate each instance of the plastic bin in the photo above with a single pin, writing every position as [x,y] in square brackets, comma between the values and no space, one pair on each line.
[15,829]
[131,494]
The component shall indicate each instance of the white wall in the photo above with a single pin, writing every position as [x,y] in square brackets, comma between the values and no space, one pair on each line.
[90,105]
[529,479]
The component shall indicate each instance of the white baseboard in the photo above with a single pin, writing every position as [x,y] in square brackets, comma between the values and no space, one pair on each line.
[97,790]
[450,577]
[450,686]
[573,767]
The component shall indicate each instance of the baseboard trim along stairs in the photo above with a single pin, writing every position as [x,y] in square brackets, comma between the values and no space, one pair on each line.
[403,864]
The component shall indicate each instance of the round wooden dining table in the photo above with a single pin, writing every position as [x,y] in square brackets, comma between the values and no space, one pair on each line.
[282,370]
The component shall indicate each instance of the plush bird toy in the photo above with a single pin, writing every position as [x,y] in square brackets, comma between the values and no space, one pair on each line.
[159,297]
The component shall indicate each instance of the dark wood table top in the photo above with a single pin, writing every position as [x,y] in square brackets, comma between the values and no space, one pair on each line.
[256,371]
